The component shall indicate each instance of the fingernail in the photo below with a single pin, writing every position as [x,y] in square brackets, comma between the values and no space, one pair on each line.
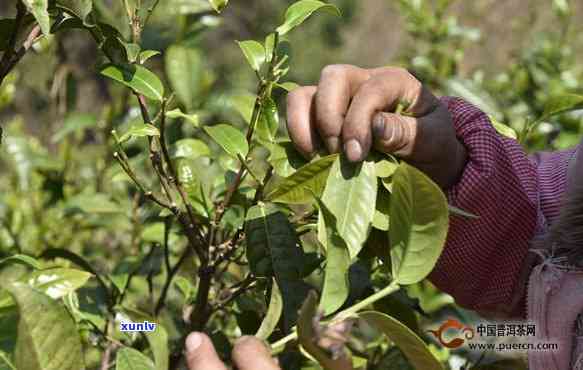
[378,125]
[193,341]
[353,150]
[333,144]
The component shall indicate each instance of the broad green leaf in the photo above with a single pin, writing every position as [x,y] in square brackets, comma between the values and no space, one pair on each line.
[561,104]
[47,335]
[243,104]
[410,344]
[137,78]
[74,123]
[350,194]
[146,55]
[78,8]
[229,138]
[273,315]
[273,250]
[177,113]
[57,282]
[132,51]
[39,9]
[254,53]
[130,359]
[285,159]
[502,129]
[288,86]
[336,284]
[381,219]
[307,335]
[218,5]
[20,259]
[139,130]
[300,187]
[268,123]
[299,11]
[184,68]
[190,148]
[385,168]
[419,223]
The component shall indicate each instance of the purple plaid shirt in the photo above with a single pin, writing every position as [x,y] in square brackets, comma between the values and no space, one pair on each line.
[515,196]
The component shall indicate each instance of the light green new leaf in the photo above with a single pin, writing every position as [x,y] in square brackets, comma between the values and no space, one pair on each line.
[307,181]
[413,347]
[20,259]
[130,359]
[140,130]
[502,129]
[79,8]
[254,52]
[243,103]
[190,148]
[419,223]
[350,194]
[285,159]
[268,121]
[299,11]
[177,113]
[288,86]
[273,315]
[137,78]
[561,104]
[39,9]
[218,5]
[307,335]
[184,68]
[47,335]
[229,138]
[336,284]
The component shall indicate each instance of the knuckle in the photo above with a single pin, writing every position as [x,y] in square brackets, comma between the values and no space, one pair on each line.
[334,71]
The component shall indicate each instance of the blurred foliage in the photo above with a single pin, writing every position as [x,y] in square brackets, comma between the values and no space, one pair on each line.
[65,200]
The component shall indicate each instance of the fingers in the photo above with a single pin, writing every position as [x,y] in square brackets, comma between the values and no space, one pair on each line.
[394,133]
[338,83]
[300,110]
[383,92]
[200,353]
[250,353]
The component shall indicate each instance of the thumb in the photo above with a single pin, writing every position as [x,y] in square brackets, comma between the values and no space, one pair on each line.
[200,353]
[394,133]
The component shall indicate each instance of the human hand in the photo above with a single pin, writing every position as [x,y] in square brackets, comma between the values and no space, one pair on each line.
[349,110]
[249,353]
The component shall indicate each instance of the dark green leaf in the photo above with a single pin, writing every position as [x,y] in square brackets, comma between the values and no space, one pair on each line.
[130,359]
[39,9]
[229,138]
[147,54]
[410,344]
[300,187]
[268,123]
[139,130]
[136,77]
[177,113]
[299,11]
[350,194]
[79,8]
[47,336]
[254,53]
[6,27]
[561,104]
[336,284]
[273,313]
[419,223]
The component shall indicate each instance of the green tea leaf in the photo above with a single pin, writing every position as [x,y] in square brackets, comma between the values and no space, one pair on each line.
[561,104]
[130,359]
[229,138]
[47,335]
[218,5]
[184,68]
[177,113]
[350,194]
[336,284]
[300,187]
[299,11]
[288,86]
[254,53]
[410,344]
[268,123]
[285,159]
[137,78]
[502,129]
[381,219]
[139,130]
[40,11]
[419,223]
[273,315]
[243,103]
[157,339]
[20,259]
[190,148]
[146,55]
[79,8]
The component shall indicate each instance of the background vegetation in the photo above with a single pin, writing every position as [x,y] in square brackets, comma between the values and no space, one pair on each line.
[68,207]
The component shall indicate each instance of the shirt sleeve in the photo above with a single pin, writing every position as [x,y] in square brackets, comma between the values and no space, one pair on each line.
[482,259]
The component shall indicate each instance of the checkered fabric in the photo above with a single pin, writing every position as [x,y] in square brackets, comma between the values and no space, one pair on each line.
[515,197]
